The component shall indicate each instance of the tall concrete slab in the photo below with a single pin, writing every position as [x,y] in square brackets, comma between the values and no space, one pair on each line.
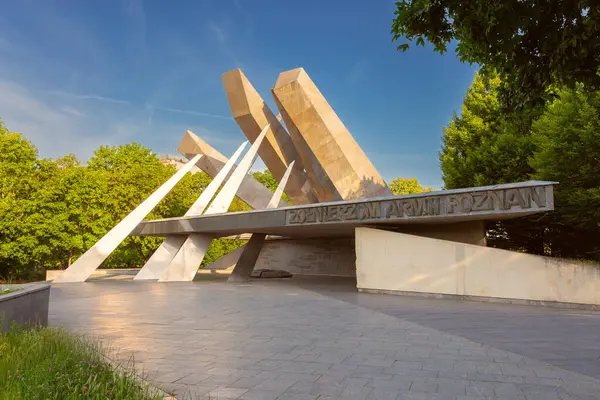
[277,151]
[94,256]
[162,257]
[336,165]
[251,192]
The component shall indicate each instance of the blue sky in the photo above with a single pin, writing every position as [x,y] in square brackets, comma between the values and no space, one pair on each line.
[78,74]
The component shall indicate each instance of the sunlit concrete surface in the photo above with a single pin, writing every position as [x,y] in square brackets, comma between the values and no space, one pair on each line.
[396,262]
[317,338]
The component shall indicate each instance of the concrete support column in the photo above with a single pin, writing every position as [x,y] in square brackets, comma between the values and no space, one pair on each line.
[245,265]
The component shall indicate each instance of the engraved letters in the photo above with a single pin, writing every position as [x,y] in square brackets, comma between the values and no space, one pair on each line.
[423,206]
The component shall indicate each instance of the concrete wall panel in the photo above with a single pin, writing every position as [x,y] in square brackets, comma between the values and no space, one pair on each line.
[390,261]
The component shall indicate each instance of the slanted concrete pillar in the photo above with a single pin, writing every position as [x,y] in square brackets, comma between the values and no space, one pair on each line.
[336,165]
[185,264]
[245,265]
[91,259]
[162,257]
[277,151]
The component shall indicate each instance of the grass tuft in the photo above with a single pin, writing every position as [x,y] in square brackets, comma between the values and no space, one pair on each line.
[8,290]
[51,363]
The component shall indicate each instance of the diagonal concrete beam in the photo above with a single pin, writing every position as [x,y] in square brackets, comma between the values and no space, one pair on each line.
[277,151]
[185,264]
[162,257]
[251,192]
[245,265]
[91,259]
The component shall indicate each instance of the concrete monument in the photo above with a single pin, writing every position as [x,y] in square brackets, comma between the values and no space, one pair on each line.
[344,220]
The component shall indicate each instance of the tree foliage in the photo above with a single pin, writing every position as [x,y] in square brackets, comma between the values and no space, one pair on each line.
[52,211]
[267,179]
[567,138]
[558,142]
[407,186]
[483,147]
[534,45]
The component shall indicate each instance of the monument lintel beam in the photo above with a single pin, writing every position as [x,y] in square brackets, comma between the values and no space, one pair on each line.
[339,218]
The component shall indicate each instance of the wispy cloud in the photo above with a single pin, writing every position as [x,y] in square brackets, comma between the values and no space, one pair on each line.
[85,96]
[357,72]
[54,129]
[221,37]
[4,44]
[189,112]
[72,111]
[245,14]
[148,107]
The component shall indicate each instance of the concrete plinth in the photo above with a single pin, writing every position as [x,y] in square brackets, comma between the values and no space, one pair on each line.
[323,256]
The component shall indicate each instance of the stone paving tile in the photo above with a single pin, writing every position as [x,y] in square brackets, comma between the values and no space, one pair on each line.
[260,342]
[227,393]
[256,394]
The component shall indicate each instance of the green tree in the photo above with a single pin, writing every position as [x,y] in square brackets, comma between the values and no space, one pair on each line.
[52,211]
[567,137]
[535,45]
[407,186]
[21,177]
[267,179]
[483,147]
[129,174]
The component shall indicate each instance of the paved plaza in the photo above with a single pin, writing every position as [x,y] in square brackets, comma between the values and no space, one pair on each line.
[319,339]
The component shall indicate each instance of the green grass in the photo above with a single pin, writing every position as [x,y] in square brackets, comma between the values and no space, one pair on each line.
[50,363]
[8,290]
